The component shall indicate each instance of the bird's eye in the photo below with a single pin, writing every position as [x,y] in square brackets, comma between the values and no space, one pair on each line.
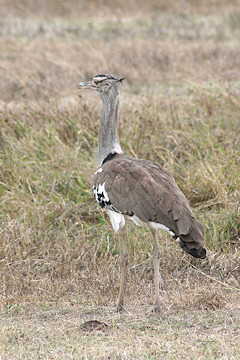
[96,82]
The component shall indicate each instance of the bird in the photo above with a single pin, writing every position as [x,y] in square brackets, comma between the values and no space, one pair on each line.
[138,190]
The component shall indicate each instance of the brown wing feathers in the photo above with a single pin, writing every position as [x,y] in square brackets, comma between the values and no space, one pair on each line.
[147,190]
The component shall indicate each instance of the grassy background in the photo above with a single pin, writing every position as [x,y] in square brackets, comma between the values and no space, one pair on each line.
[180,105]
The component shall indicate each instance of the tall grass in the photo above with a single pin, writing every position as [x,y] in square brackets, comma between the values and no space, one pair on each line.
[180,107]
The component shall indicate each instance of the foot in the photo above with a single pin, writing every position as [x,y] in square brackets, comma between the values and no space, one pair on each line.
[120,308]
[155,308]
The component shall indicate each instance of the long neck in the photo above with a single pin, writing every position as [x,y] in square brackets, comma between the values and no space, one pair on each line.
[108,130]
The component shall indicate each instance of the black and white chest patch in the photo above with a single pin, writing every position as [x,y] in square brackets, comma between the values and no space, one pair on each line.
[102,197]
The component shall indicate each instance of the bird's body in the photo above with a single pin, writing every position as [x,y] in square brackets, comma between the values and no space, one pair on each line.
[137,190]
[144,192]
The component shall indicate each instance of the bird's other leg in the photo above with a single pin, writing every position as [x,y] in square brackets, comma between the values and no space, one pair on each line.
[123,269]
[157,276]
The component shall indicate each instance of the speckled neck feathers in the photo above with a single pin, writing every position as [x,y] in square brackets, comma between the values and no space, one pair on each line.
[108,130]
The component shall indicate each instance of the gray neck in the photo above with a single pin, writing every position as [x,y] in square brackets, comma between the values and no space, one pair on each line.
[108,130]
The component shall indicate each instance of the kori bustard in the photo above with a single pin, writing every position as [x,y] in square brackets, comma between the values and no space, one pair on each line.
[137,190]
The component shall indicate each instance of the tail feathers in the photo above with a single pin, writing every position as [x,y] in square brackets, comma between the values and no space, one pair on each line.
[190,240]
[194,249]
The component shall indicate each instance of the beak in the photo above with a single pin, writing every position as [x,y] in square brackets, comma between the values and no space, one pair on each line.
[85,85]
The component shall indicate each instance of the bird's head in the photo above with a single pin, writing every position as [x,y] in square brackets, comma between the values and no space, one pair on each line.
[105,85]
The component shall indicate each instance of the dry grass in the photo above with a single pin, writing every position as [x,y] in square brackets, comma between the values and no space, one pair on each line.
[58,333]
[181,107]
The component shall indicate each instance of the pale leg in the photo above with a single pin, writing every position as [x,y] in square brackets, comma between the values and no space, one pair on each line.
[157,276]
[123,268]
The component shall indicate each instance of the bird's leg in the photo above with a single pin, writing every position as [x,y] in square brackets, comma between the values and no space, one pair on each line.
[123,268]
[157,276]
